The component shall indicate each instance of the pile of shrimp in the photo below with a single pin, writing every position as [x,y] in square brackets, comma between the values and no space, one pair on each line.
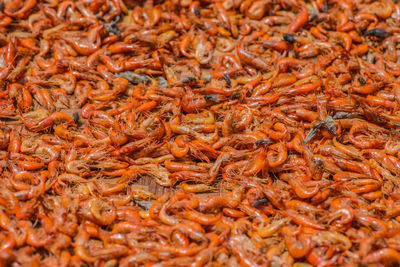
[272,125]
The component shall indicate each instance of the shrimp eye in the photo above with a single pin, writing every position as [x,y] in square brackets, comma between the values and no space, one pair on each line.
[362,80]
[236,95]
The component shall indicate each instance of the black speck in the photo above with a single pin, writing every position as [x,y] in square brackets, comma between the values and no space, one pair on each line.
[2,6]
[227,79]
[189,79]
[113,28]
[197,12]
[259,202]
[262,142]
[379,33]
[100,18]
[236,95]
[313,17]
[210,98]
[289,38]
[76,118]
[362,80]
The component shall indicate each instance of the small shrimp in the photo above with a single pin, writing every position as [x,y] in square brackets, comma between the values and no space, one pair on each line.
[303,220]
[270,229]
[365,143]
[299,246]
[300,20]
[249,58]
[387,256]
[276,159]
[47,122]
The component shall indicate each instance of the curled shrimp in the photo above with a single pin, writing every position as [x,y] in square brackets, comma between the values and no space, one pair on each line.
[364,126]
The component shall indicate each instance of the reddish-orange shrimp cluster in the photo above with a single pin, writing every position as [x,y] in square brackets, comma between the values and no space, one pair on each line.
[271,126]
